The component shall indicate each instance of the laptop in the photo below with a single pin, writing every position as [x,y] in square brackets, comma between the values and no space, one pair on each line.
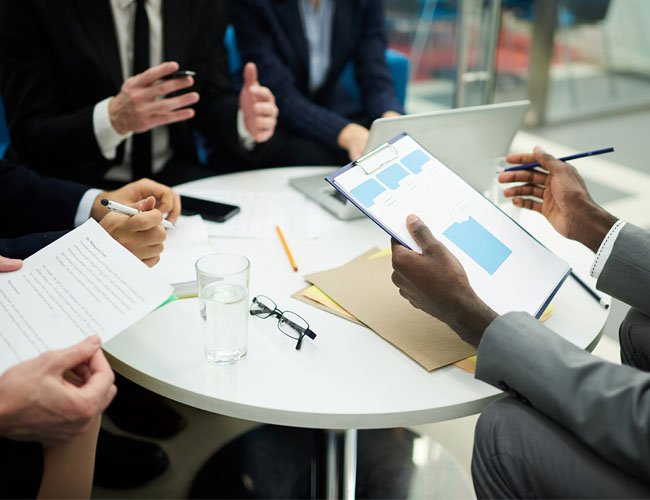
[465,139]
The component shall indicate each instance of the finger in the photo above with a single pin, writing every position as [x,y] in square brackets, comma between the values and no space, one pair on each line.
[97,390]
[265,109]
[147,252]
[8,265]
[527,176]
[264,124]
[65,359]
[547,161]
[519,158]
[527,190]
[155,73]
[168,118]
[421,233]
[262,94]
[152,262]
[250,74]
[528,204]
[175,211]
[165,87]
[82,371]
[144,220]
[168,105]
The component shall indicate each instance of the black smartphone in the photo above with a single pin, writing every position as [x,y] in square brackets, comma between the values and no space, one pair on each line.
[210,210]
[179,74]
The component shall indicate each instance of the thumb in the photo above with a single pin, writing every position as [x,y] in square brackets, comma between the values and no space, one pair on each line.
[7,265]
[250,74]
[546,160]
[421,233]
[146,204]
[77,354]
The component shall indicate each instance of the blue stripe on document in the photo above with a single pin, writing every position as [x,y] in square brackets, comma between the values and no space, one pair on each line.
[479,244]
[415,160]
[392,175]
[367,192]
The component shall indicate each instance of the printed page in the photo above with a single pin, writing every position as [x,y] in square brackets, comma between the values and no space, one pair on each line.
[83,284]
[507,268]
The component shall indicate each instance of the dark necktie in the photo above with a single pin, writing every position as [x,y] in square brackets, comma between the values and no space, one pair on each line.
[141,147]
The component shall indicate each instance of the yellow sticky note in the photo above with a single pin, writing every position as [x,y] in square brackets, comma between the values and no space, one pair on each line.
[380,253]
[317,295]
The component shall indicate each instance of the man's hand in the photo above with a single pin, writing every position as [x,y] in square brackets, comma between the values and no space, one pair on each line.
[436,283]
[390,114]
[8,265]
[168,201]
[257,104]
[39,403]
[353,138]
[561,196]
[142,103]
[141,234]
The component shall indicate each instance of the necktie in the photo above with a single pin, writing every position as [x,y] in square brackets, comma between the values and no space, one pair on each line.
[141,147]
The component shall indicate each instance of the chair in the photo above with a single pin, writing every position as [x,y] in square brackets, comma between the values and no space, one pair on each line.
[4,132]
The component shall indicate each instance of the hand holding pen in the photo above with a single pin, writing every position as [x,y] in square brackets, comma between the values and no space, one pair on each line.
[130,211]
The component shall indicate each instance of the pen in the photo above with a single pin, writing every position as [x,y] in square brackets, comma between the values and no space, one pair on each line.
[529,166]
[130,211]
[590,291]
[286,249]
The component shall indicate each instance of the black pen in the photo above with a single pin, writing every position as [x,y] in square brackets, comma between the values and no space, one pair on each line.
[590,290]
[530,166]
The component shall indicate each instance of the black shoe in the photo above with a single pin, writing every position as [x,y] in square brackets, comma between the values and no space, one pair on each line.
[123,462]
[142,412]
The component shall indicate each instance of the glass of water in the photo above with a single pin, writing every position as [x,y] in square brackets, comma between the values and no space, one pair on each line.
[222,283]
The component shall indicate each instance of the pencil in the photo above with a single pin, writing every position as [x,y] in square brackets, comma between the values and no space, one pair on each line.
[286,249]
[530,166]
[590,290]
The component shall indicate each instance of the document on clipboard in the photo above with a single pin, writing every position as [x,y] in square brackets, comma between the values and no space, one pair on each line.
[508,268]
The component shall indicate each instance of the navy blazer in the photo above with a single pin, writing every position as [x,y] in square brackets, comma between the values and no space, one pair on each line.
[59,59]
[270,33]
[35,210]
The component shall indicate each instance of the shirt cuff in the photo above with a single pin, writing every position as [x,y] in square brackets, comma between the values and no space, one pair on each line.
[605,249]
[107,137]
[245,137]
[85,206]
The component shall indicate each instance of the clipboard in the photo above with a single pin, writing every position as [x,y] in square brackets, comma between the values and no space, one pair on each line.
[506,266]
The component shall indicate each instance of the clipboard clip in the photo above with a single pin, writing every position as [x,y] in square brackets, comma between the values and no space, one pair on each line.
[377,158]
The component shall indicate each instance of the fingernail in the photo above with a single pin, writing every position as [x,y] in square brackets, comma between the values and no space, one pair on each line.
[165,214]
[95,340]
[539,149]
[412,219]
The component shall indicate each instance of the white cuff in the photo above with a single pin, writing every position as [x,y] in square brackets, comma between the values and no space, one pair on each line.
[107,137]
[247,141]
[85,206]
[605,249]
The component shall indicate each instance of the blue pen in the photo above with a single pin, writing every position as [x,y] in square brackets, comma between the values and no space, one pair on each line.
[530,166]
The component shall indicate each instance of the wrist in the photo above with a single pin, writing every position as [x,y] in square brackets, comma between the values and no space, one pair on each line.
[475,318]
[592,228]
[98,211]
[113,115]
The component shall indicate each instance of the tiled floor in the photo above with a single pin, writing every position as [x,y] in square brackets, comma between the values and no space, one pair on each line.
[620,181]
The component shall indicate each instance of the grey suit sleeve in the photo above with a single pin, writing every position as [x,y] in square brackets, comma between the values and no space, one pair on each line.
[626,274]
[606,406]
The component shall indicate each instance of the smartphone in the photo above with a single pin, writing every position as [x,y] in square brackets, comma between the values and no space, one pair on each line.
[210,210]
[179,74]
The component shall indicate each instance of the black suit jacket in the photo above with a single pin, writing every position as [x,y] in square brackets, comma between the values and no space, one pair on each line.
[36,210]
[270,33]
[58,59]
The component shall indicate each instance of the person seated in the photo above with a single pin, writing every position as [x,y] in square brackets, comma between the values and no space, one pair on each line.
[43,209]
[55,400]
[87,95]
[575,426]
[301,48]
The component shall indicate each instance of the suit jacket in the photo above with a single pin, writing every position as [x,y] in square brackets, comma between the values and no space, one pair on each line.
[33,204]
[606,406]
[57,60]
[270,33]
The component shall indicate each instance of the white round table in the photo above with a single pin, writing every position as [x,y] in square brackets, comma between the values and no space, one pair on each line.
[348,377]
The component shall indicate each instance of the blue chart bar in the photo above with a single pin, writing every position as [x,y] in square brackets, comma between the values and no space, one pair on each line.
[415,160]
[392,175]
[367,192]
[479,244]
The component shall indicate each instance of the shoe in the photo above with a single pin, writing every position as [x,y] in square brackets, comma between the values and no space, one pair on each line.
[123,462]
[139,411]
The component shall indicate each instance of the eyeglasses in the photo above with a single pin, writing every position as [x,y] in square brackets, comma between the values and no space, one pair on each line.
[289,322]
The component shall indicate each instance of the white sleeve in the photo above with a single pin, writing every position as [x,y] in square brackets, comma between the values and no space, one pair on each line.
[247,141]
[85,206]
[107,137]
[605,249]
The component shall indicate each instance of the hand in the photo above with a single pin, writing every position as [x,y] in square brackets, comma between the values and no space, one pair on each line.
[353,138]
[38,403]
[142,103]
[168,201]
[257,104]
[141,234]
[436,283]
[561,196]
[390,114]
[8,265]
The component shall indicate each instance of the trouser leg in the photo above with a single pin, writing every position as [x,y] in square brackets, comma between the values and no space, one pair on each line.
[634,337]
[520,453]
